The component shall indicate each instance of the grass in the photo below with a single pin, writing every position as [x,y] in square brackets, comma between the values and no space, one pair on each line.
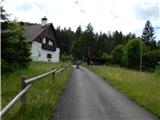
[41,98]
[144,88]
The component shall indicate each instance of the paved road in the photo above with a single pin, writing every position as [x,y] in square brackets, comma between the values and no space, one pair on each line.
[88,97]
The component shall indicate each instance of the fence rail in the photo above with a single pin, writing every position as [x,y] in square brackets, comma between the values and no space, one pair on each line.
[26,85]
[39,77]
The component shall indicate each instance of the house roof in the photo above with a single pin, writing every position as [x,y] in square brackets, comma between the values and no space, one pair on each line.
[32,31]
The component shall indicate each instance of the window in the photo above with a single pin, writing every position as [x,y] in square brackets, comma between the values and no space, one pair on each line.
[50,43]
[49,56]
[44,40]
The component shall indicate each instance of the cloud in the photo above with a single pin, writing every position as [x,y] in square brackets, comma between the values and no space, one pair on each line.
[76,2]
[82,11]
[146,11]
[114,15]
[24,7]
[126,15]
[157,27]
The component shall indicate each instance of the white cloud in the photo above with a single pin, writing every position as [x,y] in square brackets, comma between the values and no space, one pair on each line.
[104,15]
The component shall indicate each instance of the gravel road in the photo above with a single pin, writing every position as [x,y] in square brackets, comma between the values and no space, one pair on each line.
[89,97]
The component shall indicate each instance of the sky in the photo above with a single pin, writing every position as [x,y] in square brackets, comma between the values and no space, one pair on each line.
[104,15]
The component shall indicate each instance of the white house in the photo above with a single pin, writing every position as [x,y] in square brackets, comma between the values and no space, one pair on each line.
[43,40]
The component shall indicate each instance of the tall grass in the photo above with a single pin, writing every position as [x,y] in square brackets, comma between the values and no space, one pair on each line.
[144,88]
[41,98]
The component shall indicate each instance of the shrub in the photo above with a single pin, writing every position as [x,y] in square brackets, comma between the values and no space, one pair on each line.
[133,52]
[65,57]
[118,55]
[150,59]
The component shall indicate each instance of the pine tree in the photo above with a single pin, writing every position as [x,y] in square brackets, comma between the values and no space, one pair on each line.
[4,15]
[148,35]
[15,52]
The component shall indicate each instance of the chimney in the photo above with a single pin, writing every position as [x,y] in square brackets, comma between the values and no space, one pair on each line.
[43,21]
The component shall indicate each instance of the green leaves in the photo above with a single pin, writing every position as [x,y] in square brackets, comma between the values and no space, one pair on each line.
[119,55]
[15,49]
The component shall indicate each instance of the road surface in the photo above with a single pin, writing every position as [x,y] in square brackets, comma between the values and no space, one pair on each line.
[89,97]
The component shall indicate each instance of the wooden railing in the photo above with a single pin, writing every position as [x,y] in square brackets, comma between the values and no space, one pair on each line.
[26,84]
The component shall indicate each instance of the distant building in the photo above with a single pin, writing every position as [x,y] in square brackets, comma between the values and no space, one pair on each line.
[43,40]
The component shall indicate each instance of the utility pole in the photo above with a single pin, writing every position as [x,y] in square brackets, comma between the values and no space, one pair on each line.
[88,59]
[141,57]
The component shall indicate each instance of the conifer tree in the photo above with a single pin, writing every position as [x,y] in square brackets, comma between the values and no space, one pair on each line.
[148,35]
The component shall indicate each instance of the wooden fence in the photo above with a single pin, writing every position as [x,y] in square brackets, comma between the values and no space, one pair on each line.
[26,84]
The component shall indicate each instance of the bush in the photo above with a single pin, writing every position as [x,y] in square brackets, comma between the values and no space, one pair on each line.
[133,50]
[118,55]
[150,59]
[133,54]
[65,57]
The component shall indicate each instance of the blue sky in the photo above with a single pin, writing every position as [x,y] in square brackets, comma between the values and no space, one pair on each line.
[105,15]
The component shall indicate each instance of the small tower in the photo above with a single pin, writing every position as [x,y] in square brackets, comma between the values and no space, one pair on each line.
[43,21]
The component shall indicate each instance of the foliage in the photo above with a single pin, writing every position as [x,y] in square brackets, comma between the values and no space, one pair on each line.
[148,35]
[15,50]
[151,59]
[89,41]
[65,37]
[117,39]
[76,49]
[65,57]
[79,42]
[4,14]
[85,44]
[118,55]
[133,50]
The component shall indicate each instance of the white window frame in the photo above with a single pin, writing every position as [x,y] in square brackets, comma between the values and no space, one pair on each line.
[50,43]
[44,40]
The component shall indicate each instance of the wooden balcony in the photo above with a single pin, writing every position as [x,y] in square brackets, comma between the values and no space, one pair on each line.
[48,47]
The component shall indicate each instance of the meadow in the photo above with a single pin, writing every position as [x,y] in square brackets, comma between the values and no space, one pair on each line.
[141,87]
[43,96]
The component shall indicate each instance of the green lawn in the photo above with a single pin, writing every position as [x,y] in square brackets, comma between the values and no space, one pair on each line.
[144,88]
[41,98]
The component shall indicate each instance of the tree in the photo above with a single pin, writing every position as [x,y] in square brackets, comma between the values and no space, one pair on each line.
[117,38]
[89,42]
[76,47]
[133,49]
[148,36]
[151,59]
[65,37]
[128,37]
[15,50]
[4,15]
[101,46]
[118,55]
[158,45]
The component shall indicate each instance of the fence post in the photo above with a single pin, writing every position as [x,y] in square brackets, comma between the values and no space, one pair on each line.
[63,68]
[23,98]
[53,74]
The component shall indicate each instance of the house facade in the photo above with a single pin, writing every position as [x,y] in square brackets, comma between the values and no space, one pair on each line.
[43,40]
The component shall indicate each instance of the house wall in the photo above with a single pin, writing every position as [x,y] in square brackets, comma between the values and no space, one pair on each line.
[38,54]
